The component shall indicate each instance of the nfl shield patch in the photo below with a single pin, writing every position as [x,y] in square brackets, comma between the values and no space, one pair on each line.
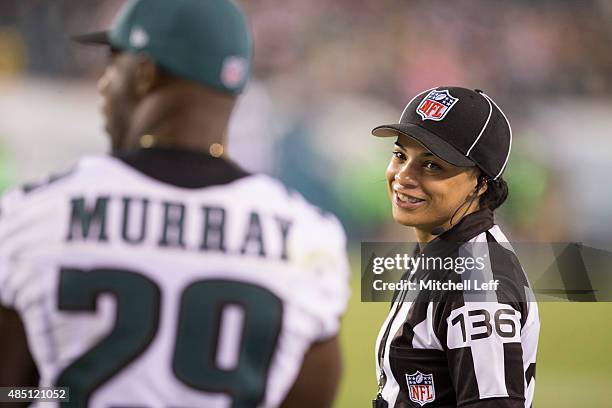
[421,388]
[436,105]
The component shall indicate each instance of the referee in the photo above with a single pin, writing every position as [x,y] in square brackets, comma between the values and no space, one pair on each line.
[456,348]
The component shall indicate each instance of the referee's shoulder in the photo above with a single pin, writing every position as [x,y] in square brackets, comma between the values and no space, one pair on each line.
[506,268]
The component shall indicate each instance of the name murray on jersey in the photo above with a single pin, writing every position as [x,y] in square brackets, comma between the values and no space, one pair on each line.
[171,224]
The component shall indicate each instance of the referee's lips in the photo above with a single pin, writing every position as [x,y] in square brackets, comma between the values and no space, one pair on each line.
[403,199]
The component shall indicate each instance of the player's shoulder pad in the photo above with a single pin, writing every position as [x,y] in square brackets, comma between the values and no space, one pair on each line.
[311,228]
[309,216]
[319,241]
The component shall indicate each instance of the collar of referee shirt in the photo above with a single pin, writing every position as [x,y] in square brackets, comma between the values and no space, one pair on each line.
[466,229]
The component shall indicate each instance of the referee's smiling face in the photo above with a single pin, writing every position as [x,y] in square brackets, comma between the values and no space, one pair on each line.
[424,190]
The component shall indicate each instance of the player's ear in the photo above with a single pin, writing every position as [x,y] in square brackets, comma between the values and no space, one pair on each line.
[147,75]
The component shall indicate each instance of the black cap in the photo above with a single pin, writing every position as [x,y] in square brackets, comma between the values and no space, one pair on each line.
[461,126]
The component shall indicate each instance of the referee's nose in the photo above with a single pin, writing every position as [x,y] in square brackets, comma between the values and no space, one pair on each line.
[407,174]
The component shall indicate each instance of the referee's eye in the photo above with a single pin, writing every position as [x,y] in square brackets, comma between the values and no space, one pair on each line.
[399,155]
[431,166]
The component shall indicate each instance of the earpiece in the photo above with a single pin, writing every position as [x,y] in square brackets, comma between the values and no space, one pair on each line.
[470,198]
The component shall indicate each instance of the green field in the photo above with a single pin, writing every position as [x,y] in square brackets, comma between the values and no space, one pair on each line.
[574,366]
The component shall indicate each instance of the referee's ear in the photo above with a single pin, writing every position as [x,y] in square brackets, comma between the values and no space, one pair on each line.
[482,185]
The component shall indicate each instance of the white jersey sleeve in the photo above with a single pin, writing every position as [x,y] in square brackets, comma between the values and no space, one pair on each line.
[6,211]
[15,229]
[319,250]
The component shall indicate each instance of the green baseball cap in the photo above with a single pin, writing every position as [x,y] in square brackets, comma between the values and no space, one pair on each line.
[206,41]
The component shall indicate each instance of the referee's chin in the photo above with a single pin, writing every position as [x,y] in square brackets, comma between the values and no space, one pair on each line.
[407,220]
[407,217]
[421,220]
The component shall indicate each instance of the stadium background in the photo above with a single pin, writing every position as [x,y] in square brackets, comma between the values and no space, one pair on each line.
[325,74]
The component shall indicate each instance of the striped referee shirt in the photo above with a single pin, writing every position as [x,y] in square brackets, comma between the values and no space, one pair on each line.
[460,349]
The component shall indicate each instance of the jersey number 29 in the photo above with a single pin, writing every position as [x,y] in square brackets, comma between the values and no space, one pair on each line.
[202,305]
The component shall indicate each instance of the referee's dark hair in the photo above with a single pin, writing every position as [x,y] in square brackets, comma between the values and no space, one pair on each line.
[496,193]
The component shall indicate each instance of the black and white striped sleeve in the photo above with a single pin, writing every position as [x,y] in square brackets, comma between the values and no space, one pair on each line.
[482,341]
[488,342]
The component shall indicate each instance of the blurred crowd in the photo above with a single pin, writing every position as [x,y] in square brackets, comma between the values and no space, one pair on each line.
[326,72]
[386,50]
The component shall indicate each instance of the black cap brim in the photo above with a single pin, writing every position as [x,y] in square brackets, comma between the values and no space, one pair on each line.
[97,38]
[429,140]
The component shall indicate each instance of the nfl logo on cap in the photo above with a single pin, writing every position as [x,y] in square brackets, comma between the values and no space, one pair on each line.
[436,105]
[421,388]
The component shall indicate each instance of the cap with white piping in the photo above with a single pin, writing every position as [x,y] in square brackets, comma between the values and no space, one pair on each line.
[463,127]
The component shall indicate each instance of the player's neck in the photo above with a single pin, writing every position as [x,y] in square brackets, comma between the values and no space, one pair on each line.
[184,119]
[188,130]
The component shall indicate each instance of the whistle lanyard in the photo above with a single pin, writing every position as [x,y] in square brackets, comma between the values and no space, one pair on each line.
[379,402]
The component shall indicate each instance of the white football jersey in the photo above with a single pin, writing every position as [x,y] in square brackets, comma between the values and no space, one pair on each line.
[136,292]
